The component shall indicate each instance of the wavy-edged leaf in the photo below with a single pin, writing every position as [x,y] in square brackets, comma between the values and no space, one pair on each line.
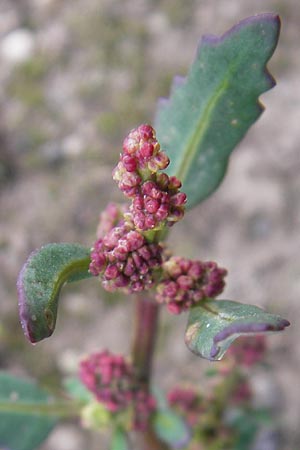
[171,429]
[40,282]
[27,413]
[209,112]
[214,324]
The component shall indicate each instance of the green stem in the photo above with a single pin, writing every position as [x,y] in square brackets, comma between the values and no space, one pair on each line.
[58,409]
[145,334]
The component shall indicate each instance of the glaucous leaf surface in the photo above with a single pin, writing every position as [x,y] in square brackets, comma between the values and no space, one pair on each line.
[215,324]
[210,110]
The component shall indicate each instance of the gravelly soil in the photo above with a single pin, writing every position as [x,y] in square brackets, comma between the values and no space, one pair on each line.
[83,74]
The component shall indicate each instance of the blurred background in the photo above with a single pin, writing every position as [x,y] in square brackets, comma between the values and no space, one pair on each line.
[75,77]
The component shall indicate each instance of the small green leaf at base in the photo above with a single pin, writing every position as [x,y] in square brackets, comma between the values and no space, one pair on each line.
[40,282]
[214,324]
[210,110]
[171,429]
[24,424]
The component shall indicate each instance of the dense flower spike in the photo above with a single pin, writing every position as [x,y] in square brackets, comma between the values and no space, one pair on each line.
[141,151]
[156,199]
[125,260]
[109,377]
[186,282]
[158,203]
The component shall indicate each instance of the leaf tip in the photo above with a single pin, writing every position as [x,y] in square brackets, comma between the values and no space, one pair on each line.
[235,330]
[30,322]
[257,19]
[23,302]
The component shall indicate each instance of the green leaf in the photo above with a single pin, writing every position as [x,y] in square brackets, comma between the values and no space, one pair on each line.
[77,389]
[215,324]
[119,440]
[210,111]
[27,413]
[246,424]
[40,282]
[171,429]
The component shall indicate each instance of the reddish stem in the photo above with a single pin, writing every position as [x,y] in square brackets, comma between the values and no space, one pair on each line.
[144,337]
[145,333]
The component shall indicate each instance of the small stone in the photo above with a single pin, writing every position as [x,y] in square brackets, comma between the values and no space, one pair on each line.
[17,46]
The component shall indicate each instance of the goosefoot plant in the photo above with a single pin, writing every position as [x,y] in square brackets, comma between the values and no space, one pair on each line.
[163,171]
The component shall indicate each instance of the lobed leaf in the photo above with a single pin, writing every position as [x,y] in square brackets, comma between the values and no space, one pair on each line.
[40,282]
[210,110]
[215,324]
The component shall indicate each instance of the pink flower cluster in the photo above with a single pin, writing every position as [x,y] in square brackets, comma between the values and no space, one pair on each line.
[112,216]
[248,350]
[156,200]
[111,379]
[126,254]
[184,398]
[187,402]
[125,260]
[186,282]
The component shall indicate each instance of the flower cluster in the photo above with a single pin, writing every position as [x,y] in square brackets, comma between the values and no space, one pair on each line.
[186,282]
[241,393]
[112,216]
[141,158]
[111,379]
[156,199]
[187,402]
[158,202]
[126,254]
[248,350]
[125,260]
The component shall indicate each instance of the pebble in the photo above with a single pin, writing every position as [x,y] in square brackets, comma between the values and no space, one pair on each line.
[17,46]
